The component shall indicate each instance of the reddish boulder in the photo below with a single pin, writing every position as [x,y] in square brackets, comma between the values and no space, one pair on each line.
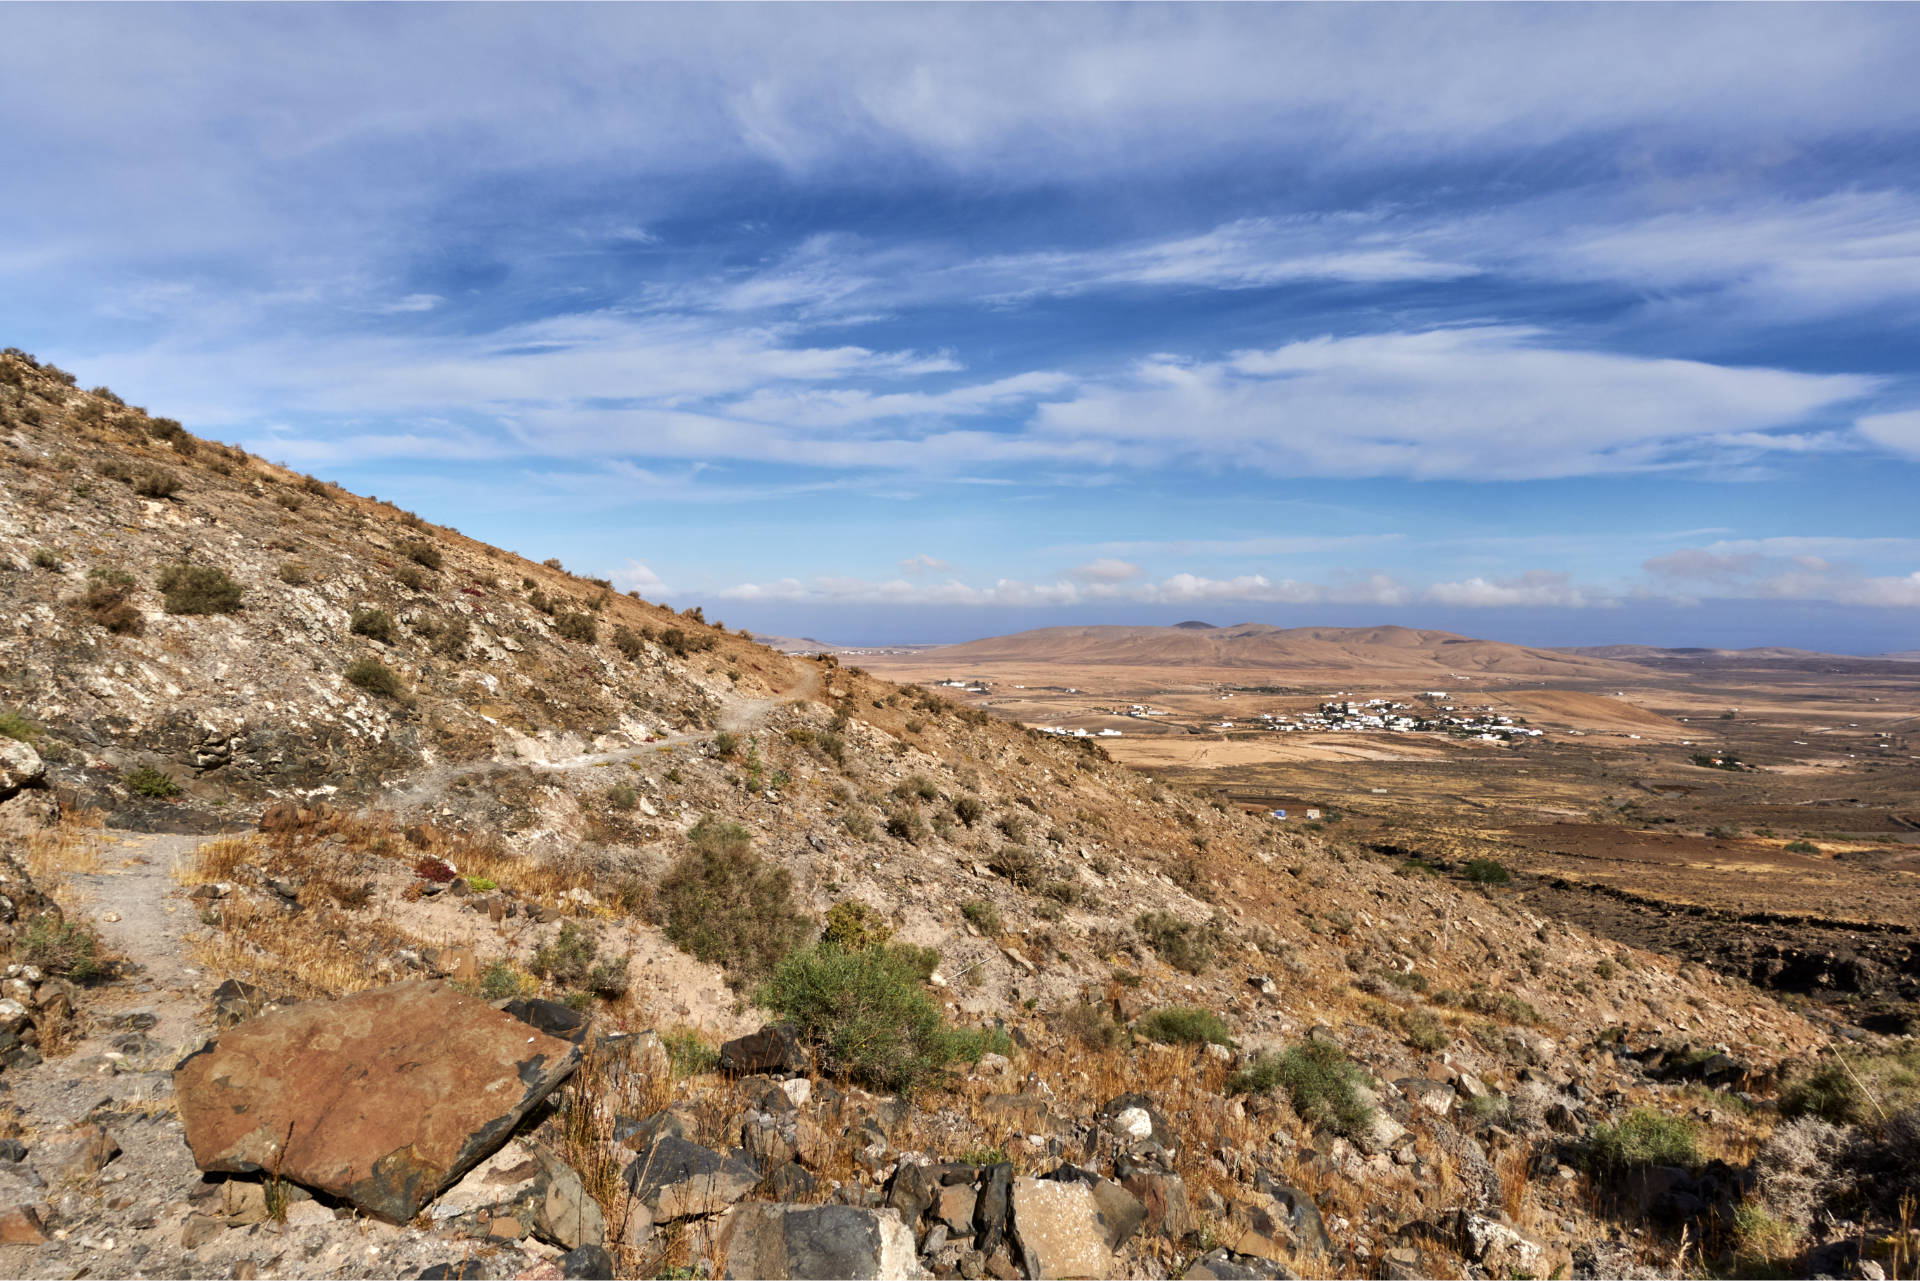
[384,1098]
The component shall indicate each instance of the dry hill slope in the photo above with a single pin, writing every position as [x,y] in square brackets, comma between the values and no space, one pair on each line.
[435,758]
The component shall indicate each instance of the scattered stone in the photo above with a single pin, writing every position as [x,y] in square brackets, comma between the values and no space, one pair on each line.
[20,766]
[759,1239]
[774,1050]
[556,1020]
[1059,1229]
[383,1098]
[676,1179]
[1224,1265]
[589,1262]
[990,1208]
[200,1229]
[21,1225]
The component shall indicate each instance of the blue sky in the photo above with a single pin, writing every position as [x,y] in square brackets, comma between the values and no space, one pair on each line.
[1560,324]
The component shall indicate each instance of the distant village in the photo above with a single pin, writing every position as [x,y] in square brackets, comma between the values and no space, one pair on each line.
[1338,713]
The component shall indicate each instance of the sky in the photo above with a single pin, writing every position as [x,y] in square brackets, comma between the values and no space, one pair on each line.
[1556,324]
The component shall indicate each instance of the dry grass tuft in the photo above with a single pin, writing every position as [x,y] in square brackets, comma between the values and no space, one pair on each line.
[71,847]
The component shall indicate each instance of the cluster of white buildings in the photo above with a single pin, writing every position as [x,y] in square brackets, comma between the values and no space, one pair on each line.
[1078,733]
[1379,715]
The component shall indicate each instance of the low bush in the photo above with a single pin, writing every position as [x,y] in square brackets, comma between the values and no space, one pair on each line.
[859,823]
[866,1014]
[628,642]
[904,823]
[723,903]
[1183,1025]
[688,1055]
[155,482]
[572,962]
[374,623]
[1092,1025]
[501,982]
[47,558]
[968,809]
[421,552]
[1501,1005]
[1801,847]
[1486,871]
[1644,1138]
[373,676]
[1423,1030]
[412,577]
[1019,864]
[855,926]
[148,781]
[984,916]
[14,725]
[105,602]
[622,796]
[726,743]
[1182,944]
[917,787]
[64,949]
[294,573]
[577,627]
[198,589]
[1321,1082]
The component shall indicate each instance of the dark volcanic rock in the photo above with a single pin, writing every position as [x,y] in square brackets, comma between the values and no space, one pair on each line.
[551,1017]
[383,1098]
[775,1050]
[788,1241]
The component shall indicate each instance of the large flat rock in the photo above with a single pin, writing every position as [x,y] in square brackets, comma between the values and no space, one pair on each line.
[383,1098]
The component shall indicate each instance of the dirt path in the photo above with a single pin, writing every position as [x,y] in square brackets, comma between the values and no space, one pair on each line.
[132,903]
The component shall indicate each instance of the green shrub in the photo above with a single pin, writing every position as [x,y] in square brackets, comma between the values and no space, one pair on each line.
[866,1014]
[721,902]
[1645,1138]
[1827,1092]
[376,623]
[1604,970]
[622,796]
[688,1055]
[47,558]
[411,577]
[294,573]
[571,961]
[1423,1030]
[1802,847]
[1018,864]
[1323,1085]
[156,482]
[968,809]
[984,916]
[14,725]
[421,552]
[577,627]
[64,949]
[1181,944]
[1184,1025]
[148,781]
[917,787]
[726,743]
[1486,871]
[501,982]
[1501,1005]
[198,589]
[858,822]
[904,823]
[373,676]
[627,641]
[855,926]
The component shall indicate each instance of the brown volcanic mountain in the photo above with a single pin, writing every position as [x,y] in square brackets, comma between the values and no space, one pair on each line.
[1381,650]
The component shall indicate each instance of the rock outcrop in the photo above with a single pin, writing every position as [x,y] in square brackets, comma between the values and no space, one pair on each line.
[382,1099]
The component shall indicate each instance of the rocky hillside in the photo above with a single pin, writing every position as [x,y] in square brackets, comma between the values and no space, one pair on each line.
[1035,1015]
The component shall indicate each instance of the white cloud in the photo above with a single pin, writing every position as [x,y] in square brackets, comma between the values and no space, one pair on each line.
[923,564]
[1182,588]
[411,303]
[1106,569]
[1534,588]
[1898,432]
[1492,402]
[637,577]
[1797,569]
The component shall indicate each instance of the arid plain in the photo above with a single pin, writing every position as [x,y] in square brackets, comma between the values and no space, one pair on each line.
[1794,861]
